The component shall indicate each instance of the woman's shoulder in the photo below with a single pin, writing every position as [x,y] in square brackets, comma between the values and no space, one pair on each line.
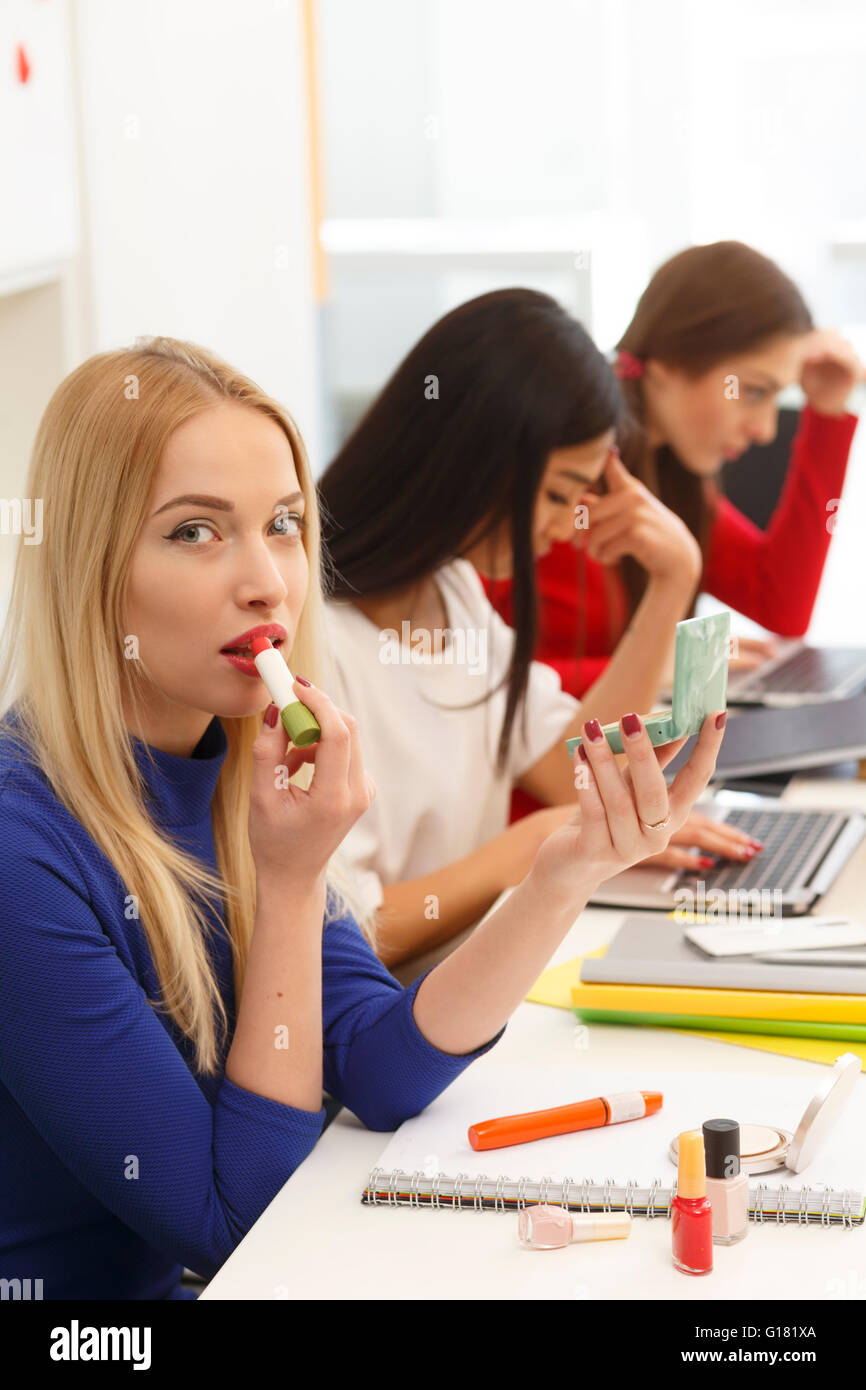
[344,622]
[463,583]
[33,819]
[20,774]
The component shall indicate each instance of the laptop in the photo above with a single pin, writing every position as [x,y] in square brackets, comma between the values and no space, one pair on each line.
[804,852]
[786,740]
[800,675]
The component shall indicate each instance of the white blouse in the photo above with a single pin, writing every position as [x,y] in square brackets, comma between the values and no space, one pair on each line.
[438,797]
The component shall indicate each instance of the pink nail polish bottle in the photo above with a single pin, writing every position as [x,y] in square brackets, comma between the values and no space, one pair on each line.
[546,1227]
[727,1186]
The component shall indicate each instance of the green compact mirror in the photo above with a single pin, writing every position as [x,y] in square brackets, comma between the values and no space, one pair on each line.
[700,683]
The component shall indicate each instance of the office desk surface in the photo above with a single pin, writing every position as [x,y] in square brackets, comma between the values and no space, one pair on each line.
[317,1240]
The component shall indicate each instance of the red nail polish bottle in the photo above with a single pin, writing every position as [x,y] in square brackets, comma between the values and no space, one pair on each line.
[691,1210]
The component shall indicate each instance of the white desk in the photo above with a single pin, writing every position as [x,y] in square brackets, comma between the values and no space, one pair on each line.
[317,1240]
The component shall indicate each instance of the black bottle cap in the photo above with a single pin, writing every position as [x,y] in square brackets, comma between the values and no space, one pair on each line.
[722,1148]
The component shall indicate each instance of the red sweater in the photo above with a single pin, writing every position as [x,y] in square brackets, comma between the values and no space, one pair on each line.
[769,576]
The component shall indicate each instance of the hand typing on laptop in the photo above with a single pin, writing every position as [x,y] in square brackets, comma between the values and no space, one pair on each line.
[702,837]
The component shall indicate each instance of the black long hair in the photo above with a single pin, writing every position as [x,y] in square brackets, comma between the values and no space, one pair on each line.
[456,442]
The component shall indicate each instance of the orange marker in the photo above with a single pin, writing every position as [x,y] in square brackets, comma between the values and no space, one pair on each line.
[583,1114]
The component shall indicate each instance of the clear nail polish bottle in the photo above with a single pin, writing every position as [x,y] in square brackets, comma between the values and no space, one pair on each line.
[727,1186]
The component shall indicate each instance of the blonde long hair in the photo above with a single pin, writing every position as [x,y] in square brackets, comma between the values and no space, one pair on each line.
[96,454]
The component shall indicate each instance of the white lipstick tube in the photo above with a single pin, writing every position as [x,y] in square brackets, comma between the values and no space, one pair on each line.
[299,722]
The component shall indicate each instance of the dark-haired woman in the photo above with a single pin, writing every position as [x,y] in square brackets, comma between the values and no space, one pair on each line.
[455,465]
[717,333]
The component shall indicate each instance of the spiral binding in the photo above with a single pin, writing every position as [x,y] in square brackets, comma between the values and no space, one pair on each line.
[404,1189]
[372,1186]
[457,1196]
[825,1206]
[413,1188]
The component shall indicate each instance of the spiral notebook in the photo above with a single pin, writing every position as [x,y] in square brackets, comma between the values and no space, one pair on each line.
[430,1163]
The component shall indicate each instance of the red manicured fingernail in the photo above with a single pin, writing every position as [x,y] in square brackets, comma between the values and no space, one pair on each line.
[705,863]
[630,725]
[302,681]
[582,752]
[592,731]
[272,714]
[721,719]
[756,843]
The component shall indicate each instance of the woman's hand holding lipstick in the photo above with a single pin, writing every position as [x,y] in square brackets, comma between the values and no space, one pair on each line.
[293,832]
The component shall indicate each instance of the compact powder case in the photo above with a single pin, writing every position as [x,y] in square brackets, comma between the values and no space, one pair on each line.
[764,1148]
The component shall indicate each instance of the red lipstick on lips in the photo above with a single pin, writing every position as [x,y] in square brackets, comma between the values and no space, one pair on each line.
[239,651]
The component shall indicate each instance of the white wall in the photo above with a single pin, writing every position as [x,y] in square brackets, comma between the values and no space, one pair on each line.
[196,184]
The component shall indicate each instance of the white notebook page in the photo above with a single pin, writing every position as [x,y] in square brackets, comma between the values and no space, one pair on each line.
[436,1140]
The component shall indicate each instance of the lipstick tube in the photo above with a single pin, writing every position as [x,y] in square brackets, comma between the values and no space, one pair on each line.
[299,722]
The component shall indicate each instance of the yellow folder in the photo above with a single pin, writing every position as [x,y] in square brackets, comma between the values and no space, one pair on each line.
[721,1003]
[554,987]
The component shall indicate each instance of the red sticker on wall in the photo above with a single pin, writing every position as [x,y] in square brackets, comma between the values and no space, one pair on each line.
[22,63]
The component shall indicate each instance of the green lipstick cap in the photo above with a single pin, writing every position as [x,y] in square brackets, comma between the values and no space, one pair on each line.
[300,724]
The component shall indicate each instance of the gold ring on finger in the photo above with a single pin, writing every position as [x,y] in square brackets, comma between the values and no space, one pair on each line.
[659,825]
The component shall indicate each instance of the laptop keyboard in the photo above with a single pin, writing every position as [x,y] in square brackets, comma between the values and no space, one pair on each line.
[814,670]
[794,843]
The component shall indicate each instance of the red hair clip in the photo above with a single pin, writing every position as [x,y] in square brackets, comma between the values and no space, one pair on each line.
[627,367]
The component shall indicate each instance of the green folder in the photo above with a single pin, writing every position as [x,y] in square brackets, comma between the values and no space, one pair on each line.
[843,1032]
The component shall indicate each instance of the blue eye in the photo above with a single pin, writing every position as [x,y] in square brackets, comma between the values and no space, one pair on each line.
[284,517]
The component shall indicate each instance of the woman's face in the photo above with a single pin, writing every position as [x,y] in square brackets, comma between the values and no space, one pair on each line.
[711,419]
[205,571]
[569,472]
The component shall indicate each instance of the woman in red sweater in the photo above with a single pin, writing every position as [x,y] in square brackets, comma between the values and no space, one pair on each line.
[717,333]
